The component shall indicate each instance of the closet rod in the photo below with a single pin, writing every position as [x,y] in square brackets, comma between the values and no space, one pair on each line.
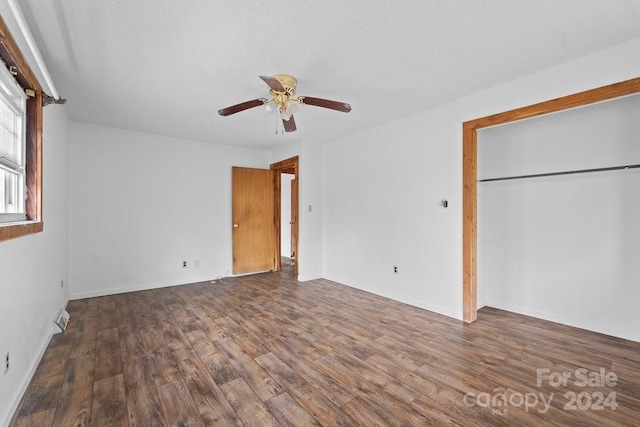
[538,175]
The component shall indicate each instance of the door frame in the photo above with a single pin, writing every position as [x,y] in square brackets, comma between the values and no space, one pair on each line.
[470,176]
[290,166]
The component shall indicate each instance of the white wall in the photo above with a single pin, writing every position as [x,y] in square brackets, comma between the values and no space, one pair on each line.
[382,186]
[140,204]
[595,136]
[563,248]
[31,269]
[310,242]
[382,190]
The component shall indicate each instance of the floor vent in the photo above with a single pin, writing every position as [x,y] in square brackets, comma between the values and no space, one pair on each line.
[62,320]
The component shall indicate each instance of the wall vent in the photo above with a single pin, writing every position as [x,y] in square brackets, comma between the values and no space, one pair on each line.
[62,320]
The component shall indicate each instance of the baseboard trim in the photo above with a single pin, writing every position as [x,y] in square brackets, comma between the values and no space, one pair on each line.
[126,289]
[593,327]
[53,329]
[432,308]
[409,301]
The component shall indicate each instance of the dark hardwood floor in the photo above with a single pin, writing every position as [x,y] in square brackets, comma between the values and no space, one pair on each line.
[264,350]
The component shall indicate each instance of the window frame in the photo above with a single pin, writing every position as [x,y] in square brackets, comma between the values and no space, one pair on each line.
[12,57]
[14,98]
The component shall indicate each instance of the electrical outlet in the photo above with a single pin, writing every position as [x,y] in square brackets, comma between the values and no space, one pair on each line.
[196,263]
[184,264]
[395,269]
[6,363]
[61,284]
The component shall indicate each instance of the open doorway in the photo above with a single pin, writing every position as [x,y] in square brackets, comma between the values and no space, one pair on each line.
[286,212]
[287,220]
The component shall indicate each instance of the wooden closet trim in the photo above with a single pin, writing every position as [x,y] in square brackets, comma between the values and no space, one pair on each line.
[470,176]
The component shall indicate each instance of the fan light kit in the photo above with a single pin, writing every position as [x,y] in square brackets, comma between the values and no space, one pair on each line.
[284,100]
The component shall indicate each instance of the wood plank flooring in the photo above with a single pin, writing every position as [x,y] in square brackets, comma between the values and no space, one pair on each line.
[264,350]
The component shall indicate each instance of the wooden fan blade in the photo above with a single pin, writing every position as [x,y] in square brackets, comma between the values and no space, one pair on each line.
[241,107]
[326,103]
[273,83]
[289,125]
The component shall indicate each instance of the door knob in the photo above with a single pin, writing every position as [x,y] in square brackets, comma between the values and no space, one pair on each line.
[235,226]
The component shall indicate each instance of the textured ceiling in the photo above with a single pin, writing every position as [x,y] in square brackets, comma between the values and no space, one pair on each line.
[166,66]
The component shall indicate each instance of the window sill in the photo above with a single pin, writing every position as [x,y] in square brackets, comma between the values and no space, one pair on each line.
[14,230]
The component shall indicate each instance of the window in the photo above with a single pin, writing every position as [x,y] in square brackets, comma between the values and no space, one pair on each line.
[20,142]
[12,149]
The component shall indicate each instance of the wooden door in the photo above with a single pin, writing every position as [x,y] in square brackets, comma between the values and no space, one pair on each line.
[294,218]
[253,220]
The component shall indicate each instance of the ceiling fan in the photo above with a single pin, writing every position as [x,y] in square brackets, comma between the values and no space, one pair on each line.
[283,97]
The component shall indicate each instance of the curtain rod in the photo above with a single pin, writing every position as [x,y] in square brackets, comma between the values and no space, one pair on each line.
[538,175]
[33,47]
